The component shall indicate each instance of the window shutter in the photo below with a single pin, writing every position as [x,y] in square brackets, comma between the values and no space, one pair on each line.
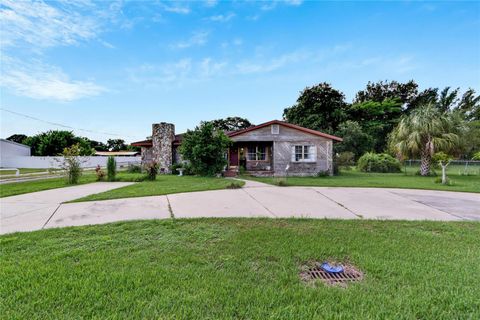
[313,153]
[293,154]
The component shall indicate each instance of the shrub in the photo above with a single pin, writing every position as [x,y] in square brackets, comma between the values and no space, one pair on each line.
[476,156]
[345,159]
[100,173]
[134,168]
[111,168]
[71,163]
[322,174]
[378,162]
[152,170]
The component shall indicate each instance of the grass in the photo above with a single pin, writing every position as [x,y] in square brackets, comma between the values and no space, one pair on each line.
[22,171]
[241,268]
[165,184]
[353,178]
[11,189]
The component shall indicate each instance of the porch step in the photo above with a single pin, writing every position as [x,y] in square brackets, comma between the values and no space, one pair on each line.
[230,173]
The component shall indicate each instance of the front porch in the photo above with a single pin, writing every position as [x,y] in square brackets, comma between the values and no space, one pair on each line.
[255,158]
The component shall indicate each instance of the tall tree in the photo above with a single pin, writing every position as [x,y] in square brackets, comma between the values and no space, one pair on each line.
[377,119]
[231,123]
[53,142]
[116,144]
[320,107]
[379,91]
[355,140]
[423,132]
[469,105]
[18,138]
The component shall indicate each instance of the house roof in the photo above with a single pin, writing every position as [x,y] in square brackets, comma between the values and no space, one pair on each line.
[116,153]
[286,124]
[179,137]
[148,143]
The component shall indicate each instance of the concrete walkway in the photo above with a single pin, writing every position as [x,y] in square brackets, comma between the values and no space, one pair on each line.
[254,200]
[32,211]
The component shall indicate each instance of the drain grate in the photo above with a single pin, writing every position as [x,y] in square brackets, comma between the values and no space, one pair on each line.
[349,274]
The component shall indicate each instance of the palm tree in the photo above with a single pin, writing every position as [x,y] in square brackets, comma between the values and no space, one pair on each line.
[423,132]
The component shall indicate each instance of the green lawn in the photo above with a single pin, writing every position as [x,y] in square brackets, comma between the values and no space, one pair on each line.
[22,171]
[241,268]
[11,189]
[165,184]
[354,178]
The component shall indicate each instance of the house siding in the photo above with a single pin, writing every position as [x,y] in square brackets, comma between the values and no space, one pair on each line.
[283,143]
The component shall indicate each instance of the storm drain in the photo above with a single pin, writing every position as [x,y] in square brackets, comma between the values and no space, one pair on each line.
[350,274]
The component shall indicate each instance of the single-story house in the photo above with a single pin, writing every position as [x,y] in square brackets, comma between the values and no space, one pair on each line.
[272,148]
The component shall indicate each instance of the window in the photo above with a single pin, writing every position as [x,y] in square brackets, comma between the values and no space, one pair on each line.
[304,153]
[275,129]
[256,153]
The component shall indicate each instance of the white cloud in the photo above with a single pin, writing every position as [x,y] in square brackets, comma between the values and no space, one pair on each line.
[41,25]
[211,3]
[39,81]
[29,27]
[269,65]
[197,39]
[177,73]
[177,9]
[222,17]
[209,68]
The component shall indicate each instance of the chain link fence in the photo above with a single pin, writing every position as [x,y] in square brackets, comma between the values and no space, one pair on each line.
[460,167]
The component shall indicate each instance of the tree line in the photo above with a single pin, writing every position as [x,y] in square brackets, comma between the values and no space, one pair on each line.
[53,143]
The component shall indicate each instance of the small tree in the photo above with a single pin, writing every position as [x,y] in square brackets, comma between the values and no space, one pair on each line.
[443,160]
[424,132]
[70,162]
[111,168]
[205,149]
[151,168]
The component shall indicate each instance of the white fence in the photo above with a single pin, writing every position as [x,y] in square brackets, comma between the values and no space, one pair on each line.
[51,162]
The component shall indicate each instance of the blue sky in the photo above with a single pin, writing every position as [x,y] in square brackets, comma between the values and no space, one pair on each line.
[116,67]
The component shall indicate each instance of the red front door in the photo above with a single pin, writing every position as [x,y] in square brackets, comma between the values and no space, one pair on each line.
[233,156]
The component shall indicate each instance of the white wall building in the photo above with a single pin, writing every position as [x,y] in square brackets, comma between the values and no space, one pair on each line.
[10,149]
[16,155]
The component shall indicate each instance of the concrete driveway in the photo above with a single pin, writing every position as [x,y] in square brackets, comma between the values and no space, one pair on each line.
[31,211]
[43,209]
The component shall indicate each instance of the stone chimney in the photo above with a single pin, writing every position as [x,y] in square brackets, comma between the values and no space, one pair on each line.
[163,135]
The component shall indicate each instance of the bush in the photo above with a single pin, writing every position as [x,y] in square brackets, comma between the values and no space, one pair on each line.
[71,163]
[111,168]
[100,173]
[152,170]
[378,162]
[134,168]
[345,159]
[321,174]
[476,156]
